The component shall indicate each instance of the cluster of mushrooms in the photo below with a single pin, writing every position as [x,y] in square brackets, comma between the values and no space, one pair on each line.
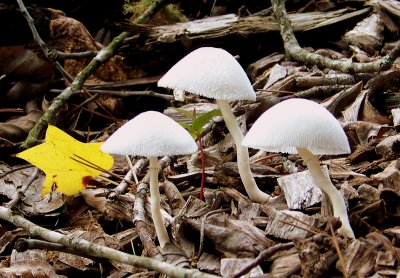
[274,131]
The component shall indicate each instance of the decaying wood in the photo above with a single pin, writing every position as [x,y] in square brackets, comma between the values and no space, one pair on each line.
[283,85]
[318,92]
[389,147]
[227,175]
[338,102]
[229,266]
[362,133]
[368,193]
[285,266]
[98,200]
[340,169]
[315,261]
[390,176]
[209,263]
[367,34]
[328,80]
[359,259]
[288,224]
[300,190]
[276,73]
[219,27]
[293,49]
[390,6]
[229,235]
[257,68]
[144,232]
[173,195]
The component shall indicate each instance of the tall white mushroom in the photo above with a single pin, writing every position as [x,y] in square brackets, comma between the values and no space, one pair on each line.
[214,73]
[307,128]
[151,134]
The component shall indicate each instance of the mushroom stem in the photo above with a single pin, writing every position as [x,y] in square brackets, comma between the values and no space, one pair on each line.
[155,198]
[254,193]
[321,180]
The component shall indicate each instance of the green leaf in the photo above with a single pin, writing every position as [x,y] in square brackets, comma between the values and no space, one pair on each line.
[204,118]
[184,112]
[190,129]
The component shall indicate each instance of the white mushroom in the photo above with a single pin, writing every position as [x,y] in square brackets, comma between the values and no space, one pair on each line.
[214,73]
[151,134]
[307,128]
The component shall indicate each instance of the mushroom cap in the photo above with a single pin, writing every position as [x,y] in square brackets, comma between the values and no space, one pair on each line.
[150,134]
[297,123]
[210,72]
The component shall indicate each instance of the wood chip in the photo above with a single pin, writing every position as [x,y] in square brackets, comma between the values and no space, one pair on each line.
[230,266]
[389,147]
[288,224]
[359,259]
[285,266]
[300,190]
[390,176]
[368,34]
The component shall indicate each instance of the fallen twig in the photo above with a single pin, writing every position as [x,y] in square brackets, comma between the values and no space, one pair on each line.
[262,256]
[203,222]
[293,49]
[140,222]
[38,39]
[21,192]
[2,175]
[102,56]
[97,250]
[24,244]
[339,252]
[123,93]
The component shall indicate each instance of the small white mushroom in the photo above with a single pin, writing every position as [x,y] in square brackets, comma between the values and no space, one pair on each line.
[151,134]
[215,73]
[307,128]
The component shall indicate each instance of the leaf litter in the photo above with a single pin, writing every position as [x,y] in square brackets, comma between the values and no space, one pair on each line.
[227,233]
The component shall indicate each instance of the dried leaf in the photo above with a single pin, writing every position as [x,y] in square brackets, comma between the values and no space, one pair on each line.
[17,129]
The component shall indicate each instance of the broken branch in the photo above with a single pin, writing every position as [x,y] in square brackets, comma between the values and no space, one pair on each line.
[102,56]
[293,49]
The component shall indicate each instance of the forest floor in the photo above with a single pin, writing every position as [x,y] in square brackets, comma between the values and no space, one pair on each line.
[89,70]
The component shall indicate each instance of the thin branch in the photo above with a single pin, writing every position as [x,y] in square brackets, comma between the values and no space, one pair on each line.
[37,37]
[141,226]
[293,49]
[31,24]
[119,93]
[96,250]
[15,170]
[23,244]
[202,229]
[71,113]
[21,192]
[123,186]
[203,165]
[339,252]
[102,56]
[59,55]
[12,110]
[263,256]
[133,170]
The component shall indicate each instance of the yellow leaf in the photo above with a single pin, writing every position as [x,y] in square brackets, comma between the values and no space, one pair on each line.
[58,157]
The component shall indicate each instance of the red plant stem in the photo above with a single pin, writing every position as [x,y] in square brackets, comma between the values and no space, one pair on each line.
[202,167]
